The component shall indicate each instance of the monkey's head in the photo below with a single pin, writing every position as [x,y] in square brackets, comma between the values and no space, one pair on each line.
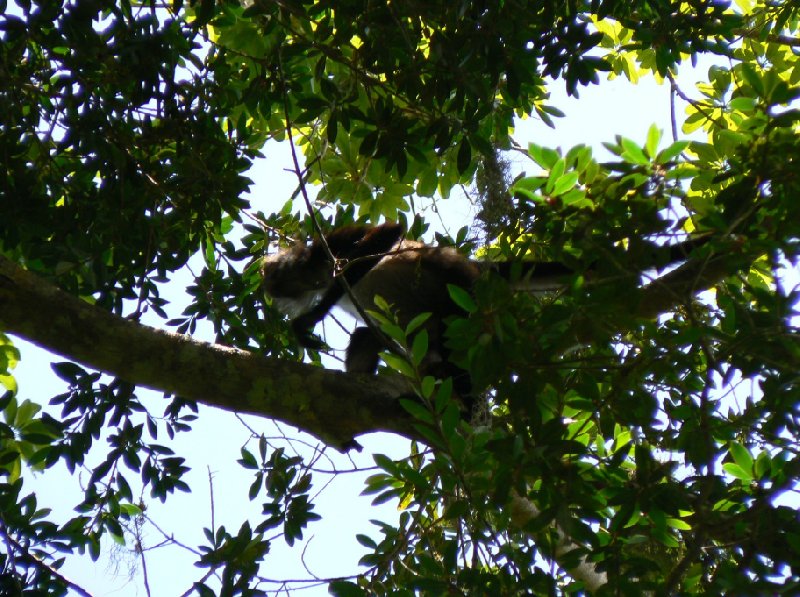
[295,279]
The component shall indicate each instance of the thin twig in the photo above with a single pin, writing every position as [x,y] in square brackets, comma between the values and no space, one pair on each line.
[692,102]
[145,577]
[169,539]
[673,119]
[211,497]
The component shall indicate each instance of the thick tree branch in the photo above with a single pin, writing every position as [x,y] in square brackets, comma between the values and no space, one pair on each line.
[334,406]
[686,281]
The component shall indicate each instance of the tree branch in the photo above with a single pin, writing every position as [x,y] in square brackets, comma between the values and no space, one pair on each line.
[756,35]
[692,277]
[332,405]
[523,511]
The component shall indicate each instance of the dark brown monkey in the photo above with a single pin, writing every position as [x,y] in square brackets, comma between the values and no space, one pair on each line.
[305,284]
[411,276]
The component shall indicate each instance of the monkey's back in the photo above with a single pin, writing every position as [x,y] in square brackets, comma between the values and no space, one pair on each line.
[413,279]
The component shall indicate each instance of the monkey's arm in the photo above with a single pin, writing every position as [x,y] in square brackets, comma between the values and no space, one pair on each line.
[360,248]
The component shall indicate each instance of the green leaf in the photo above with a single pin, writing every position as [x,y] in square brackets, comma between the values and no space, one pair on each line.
[753,76]
[529,183]
[543,156]
[527,187]
[462,298]
[394,331]
[744,104]
[450,419]
[427,386]
[381,303]
[333,129]
[9,354]
[387,464]
[763,465]
[130,509]
[555,174]
[633,153]
[416,322]
[576,198]
[737,471]
[398,364]
[69,372]
[417,410]
[694,121]
[419,347]
[677,523]
[248,461]
[26,410]
[741,456]
[653,138]
[444,395]
[669,153]
[427,183]
[366,541]
[565,183]
[429,433]
[9,382]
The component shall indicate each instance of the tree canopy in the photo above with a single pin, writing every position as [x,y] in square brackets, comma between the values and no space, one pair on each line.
[641,431]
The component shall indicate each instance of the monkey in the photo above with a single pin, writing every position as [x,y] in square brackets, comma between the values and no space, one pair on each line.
[412,277]
[303,283]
